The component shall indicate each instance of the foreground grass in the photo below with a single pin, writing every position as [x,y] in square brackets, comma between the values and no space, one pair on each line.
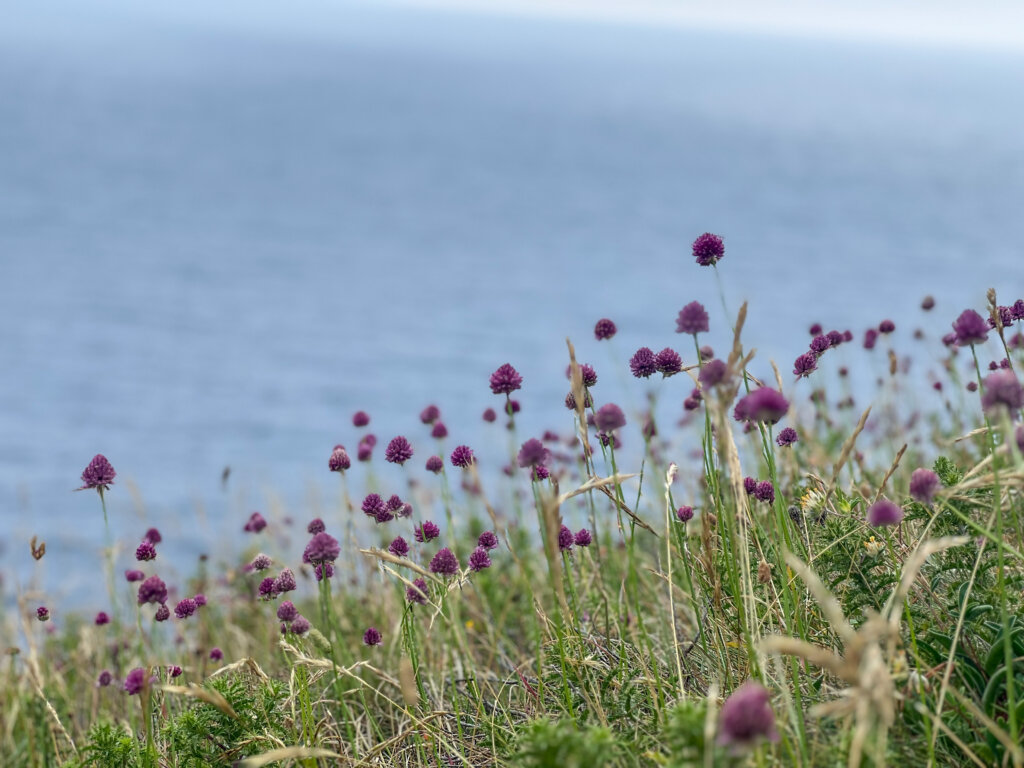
[877,645]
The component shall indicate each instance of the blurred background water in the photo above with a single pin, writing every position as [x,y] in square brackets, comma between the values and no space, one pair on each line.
[221,235]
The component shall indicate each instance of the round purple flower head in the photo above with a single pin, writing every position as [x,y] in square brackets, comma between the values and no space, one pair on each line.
[398,451]
[364,452]
[923,485]
[835,338]
[490,416]
[373,505]
[582,538]
[175,671]
[886,326]
[216,654]
[360,419]
[321,569]
[152,590]
[815,329]
[200,599]
[261,562]
[322,548]
[300,625]
[255,523]
[414,595]
[565,538]
[749,485]
[1001,390]
[570,400]
[970,328]
[693,318]
[104,679]
[153,536]
[444,562]
[266,590]
[399,547]
[316,525]
[135,681]
[870,338]
[371,637]
[102,618]
[805,365]
[285,581]
[884,513]
[430,414]
[487,540]
[426,532]
[163,613]
[185,608]
[927,303]
[604,329]
[609,417]
[669,362]
[435,464]
[706,352]
[99,474]
[708,249]
[287,611]
[713,373]
[819,344]
[339,460]
[765,492]
[540,472]
[479,559]
[788,436]
[43,613]
[643,363]
[685,514]
[746,717]
[532,453]
[764,404]
[145,551]
[505,380]
[1005,317]
[462,456]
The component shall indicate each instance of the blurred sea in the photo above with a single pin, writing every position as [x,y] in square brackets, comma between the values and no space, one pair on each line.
[218,241]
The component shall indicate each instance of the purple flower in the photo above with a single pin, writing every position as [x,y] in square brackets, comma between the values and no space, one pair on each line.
[706,352]
[135,681]
[691,403]
[884,513]
[1017,310]
[765,492]
[708,249]
[565,538]
[426,532]
[43,613]
[145,551]
[430,414]
[643,363]
[267,590]
[1005,317]
[692,318]
[153,536]
[970,328]
[815,329]
[163,613]
[570,401]
[444,562]
[285,581]
[1001,390]
[927,303]
[609,417]
[101,619]
[316,525]
[685,514]
[749,485]
[261,562]
[152,590]
[870,338]
[398,451]
[923,485]
[321,569]
[487,540]
[490,416]
[200,599]
[435,464]
[287,611]
[533,453]
[835,338]
[413,595]
[364,452]
[479,559]
[787,436]
[805,365]
[713,372]
[747,716]
[360,419]
[462,456]
[604,329]
[216,654]
[175,671]
[949,339]
[371,637]
[886,326]
[669,362]
[373,505]
[540,472]
[322,548]
[300,625]
[339,460]
[99,474]
[505,380]
[255,524]
[764,405]
[104,679]
[399,547]
[582,538]
[819,344]
[185,608]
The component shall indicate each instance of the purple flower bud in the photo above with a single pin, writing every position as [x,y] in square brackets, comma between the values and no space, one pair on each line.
[819,344]
[175,671]
[104,679]
[255,524]
[764,404]
[373,505]
[430,414]
[135,681]
[200,600]
[43,613]
[163,613]
[479,559]
[321,569]
[643,364]
[713,372]
[609,417]
[815,329]
[316,525]
[870,338]
[435,464]
[804,365]
[708,249]
[570,401]
[285,582]
[533,453]
[152,590]
[835,338]
[413,595]
[185,608]
[216,654]
[371,637]
[261,562]
[923,485]
[322,548]
[749,485]
[582,538]
[490,416]
[101,619]
[360,419]
[669,362]
[787,436]
[886,326]
[746,717]
[765,492]
[565,538]
[426,532]
[505,380]
[398,451]
[287,611]
[604,329]
[487,540]
[1005,317]
[99,474]
[927,303]
[153,536]
[267,590]
[970,328]
[300,625]
[145,551]
[693,319]
[399,547]
[364,452]
[339,460]
[444,562]
[685,514]
[1001,390]
[884,513]
[462,456]
[540,472]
